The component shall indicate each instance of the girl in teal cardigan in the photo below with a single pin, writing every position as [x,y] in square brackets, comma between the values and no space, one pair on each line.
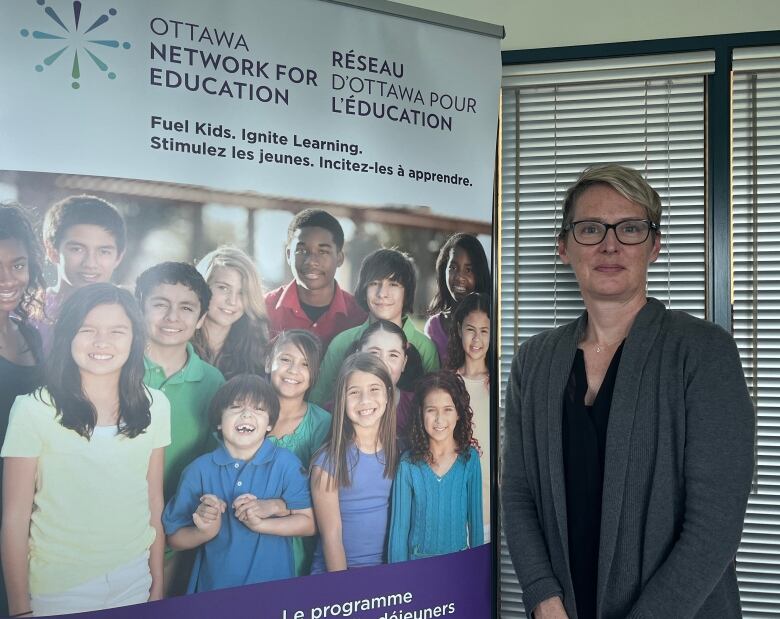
[437,493]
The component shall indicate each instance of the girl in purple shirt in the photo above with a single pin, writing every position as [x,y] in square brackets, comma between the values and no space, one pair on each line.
[352,475]
[461,268]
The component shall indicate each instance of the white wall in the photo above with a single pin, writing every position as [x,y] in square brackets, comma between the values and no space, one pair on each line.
[556,23]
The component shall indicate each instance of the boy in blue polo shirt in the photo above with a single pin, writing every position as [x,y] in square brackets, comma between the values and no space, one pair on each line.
[226,503]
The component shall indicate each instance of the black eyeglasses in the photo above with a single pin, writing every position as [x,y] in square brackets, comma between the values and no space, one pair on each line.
[627,232]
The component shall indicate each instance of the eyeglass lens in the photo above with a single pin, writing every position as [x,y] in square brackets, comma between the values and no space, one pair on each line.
[631,232]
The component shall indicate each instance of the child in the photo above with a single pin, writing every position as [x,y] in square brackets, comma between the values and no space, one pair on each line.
[84,237]
[174,298]
[313,300]
[21,292]
[437,493]
[302,426]
[352,474]
[385,289]
[469,357]
[84,464]
[461,268]
[387,340]
[219,506]
[234,335]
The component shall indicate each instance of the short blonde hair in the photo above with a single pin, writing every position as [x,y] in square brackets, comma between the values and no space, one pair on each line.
[626,181]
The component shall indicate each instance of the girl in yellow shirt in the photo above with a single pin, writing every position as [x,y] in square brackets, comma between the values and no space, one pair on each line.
[83,467]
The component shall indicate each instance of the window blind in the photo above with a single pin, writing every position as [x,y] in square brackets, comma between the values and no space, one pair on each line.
[755,229]
[646,112]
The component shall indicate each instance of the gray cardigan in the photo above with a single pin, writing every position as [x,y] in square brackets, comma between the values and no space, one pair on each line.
[677,472]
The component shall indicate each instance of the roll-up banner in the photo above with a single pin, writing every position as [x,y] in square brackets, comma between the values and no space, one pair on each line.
[290,382]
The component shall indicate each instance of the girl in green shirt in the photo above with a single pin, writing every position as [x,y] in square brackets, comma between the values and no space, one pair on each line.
[293,366]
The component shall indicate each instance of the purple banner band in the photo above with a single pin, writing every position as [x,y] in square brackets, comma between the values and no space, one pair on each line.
[455,585]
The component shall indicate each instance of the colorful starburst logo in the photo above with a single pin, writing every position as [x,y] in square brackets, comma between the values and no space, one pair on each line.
[76,39]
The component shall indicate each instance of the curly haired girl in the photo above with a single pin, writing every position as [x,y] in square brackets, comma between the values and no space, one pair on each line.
[437,493]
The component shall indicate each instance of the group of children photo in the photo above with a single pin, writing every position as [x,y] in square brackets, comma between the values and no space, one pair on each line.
[193,431]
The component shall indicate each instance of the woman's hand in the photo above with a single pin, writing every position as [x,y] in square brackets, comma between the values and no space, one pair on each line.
[551,608]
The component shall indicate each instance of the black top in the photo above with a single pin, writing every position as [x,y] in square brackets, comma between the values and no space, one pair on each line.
[314,312]
[19,379]
[584,441]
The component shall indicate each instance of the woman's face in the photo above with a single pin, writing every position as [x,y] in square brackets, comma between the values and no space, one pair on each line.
[460,274]
[227,304]
[389,347]
[475,335]
[609,271]
[14,274]
[102,344]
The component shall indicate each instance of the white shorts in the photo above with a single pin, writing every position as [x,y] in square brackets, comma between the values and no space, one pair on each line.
[128,584]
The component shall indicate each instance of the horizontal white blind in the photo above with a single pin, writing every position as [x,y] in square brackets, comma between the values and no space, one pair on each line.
[755,59]
[756,309]
[609,69]
[550,133]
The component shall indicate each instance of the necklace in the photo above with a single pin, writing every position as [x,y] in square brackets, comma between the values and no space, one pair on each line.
[600,347]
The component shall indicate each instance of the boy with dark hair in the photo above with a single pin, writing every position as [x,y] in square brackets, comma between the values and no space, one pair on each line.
[313,300]
[219,506]
[385,289]
[174,299]
[84,237]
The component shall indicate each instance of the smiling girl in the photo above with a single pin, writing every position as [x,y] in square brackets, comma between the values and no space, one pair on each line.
[84,467]
[302,426]
[21,294]
[234,334]
[437,493]
[351,476]
[461,268]
[387,341]
[469,357]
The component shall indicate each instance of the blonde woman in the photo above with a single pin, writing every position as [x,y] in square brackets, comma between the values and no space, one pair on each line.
[234,335]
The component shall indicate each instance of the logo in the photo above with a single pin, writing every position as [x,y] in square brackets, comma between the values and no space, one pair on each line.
[77,35]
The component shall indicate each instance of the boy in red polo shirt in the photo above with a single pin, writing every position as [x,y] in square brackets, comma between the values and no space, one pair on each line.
[313,300]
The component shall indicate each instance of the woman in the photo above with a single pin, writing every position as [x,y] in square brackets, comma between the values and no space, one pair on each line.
[234,335]
[629,433]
